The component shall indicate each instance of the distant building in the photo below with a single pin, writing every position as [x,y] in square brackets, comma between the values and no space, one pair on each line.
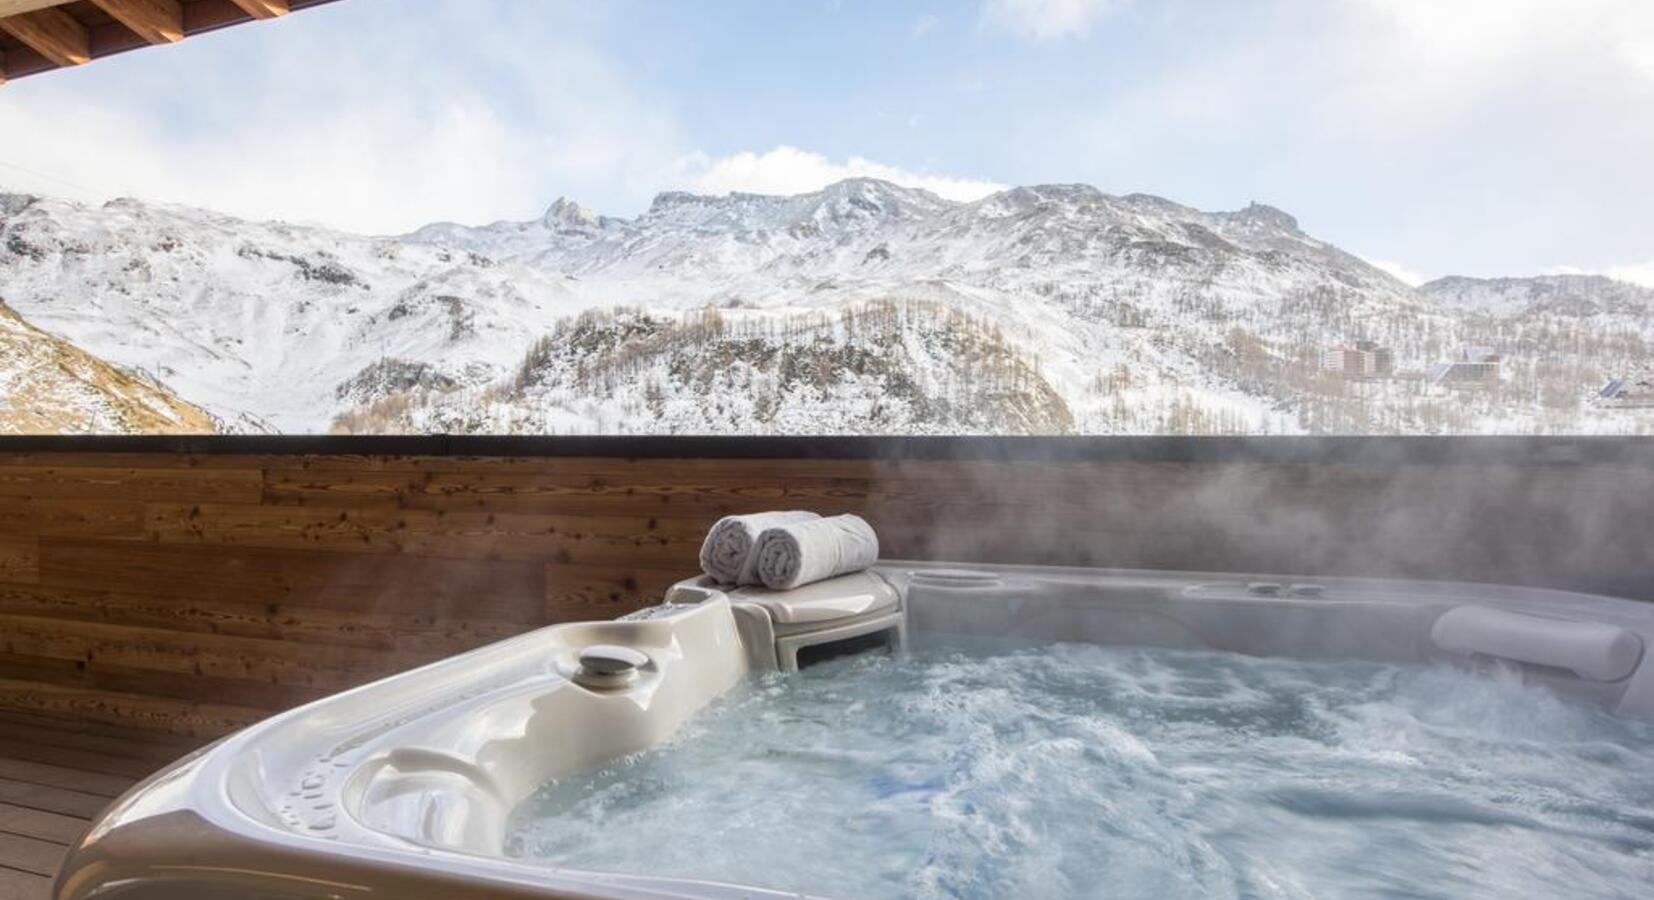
[1363,359]
[1633,392]
[1473,367]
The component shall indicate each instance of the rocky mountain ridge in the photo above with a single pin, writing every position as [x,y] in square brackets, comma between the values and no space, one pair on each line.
[1123,314]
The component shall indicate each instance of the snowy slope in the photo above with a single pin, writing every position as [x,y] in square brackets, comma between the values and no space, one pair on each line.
[261,322]
[750,247]
[1133,313]
[866,368]
[1561,295]
[1087,284]
[49,386]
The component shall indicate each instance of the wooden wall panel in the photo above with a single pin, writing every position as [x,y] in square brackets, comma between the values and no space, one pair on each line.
[574,593]
[113,483]
[19,559]
[369,583]
[69,518]
[374,631]
[139,710]
[585,540]
[193,593]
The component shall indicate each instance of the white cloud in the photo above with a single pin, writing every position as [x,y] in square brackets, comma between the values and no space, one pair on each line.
[1465,48]
[1636,273]
[789,170]
[1639,53]
[1394,66]
[1047,20]
[1398,271]
[1431,132]
[1471,31]
[309,128]
[924,25]
[1633,273]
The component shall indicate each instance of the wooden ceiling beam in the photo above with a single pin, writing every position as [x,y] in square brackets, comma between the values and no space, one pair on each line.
[50,34]
[156,21]
[13,7]
[53,34]
[263,9]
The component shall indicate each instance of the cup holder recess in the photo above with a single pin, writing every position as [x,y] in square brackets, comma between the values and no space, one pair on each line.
[607,666]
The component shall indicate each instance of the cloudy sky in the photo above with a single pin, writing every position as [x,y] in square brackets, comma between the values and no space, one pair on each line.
[1433,136]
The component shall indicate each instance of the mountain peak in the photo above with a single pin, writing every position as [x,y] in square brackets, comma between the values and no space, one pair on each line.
[668,199]
[862,184]
[877,198]
[1264,214]
[567,214]
[857,186]
[860,181]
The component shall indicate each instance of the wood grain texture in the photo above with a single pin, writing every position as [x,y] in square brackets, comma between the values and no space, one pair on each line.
[70,518]
[154,748]
[17,885]
[50,826]
[56,699]
[56,33]
[13,7]
[54,776]
[263,9]
[192,594]
[57,776]
[19,559]
[368,583]
[29,854]
[53,34]
[366,630]
[49,799]
[110,483]
[156,21]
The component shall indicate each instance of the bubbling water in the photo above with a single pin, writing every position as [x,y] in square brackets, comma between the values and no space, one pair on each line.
[972,769]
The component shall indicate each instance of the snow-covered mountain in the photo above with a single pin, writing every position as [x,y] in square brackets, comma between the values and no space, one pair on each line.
[49,386]
[876,367]
[861,307]
[750,248]
[263,323]
[1577,296]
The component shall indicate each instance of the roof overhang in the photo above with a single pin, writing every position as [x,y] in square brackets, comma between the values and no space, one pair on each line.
[42,35]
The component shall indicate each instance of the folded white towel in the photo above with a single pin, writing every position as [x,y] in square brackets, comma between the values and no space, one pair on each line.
[727,555]
[801,553]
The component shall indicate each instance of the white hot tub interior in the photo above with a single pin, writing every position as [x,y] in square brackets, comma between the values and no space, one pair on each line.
[408,787]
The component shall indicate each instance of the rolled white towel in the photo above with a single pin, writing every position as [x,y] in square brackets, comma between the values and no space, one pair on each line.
[727,555]
[802,553]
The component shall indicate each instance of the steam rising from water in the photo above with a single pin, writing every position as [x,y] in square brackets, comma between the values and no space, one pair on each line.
[1378,508]
[1079,770]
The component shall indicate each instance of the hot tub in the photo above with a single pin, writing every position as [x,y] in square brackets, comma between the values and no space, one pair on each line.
[416,786]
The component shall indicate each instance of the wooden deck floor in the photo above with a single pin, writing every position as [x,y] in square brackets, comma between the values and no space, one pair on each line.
[55,776]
